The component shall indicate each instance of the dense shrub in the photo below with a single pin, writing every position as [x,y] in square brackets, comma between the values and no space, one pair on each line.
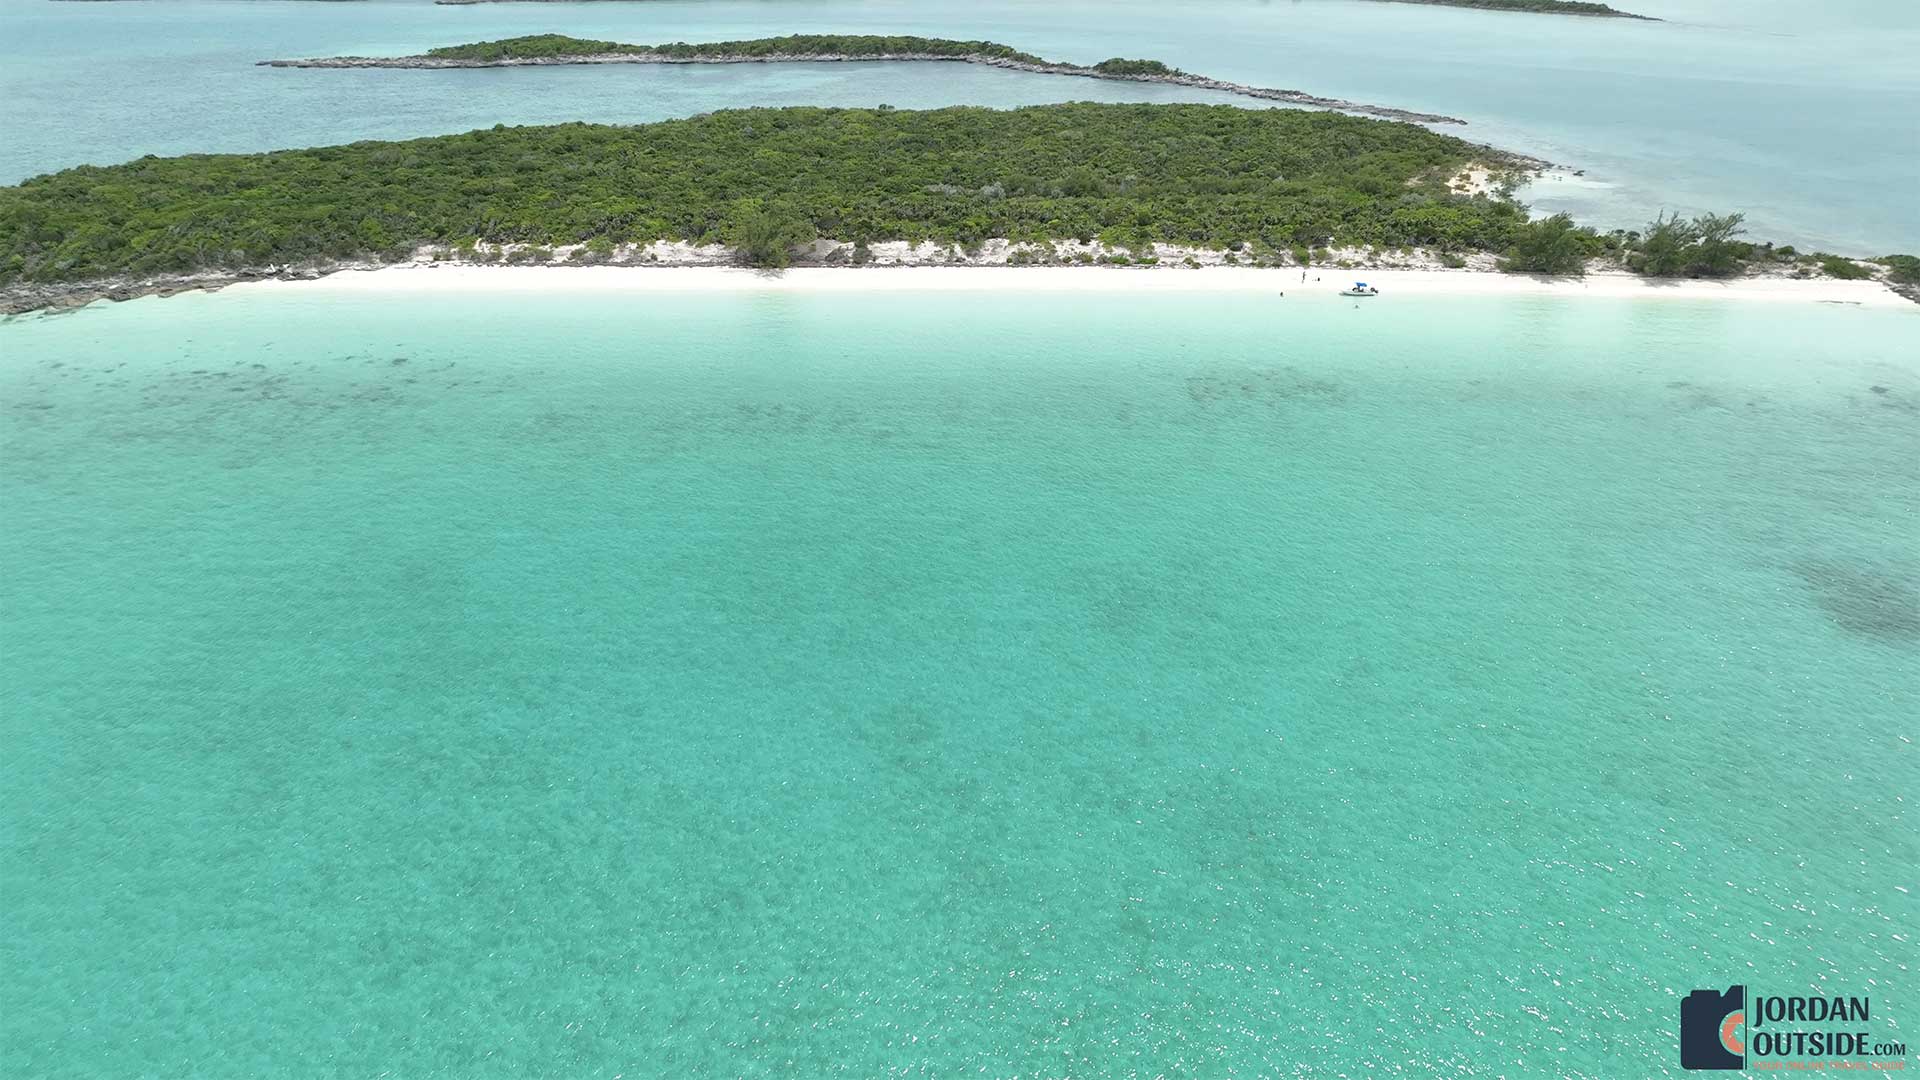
[1706,246]
[1551,245]
[538,46]
[1839,266]
[1904,269]
[1189,174]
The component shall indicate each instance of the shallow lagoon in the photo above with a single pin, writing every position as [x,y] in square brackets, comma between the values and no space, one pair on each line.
[729,684]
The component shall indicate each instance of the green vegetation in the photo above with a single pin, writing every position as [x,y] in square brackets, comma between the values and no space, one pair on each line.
[767,234]
[1551,246]
[1267,185]
[1838,266]
[1121,66]
[1705,246]
[543,46]
[1904,269]
[551,46]
[772,178]
[1547,7]
[561,49]
[1709,246]
[534,46]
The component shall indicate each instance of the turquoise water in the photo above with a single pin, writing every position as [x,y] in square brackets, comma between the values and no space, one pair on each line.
[729,685]
[1799,114]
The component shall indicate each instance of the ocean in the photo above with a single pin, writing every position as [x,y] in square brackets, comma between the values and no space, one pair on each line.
[738,684]
[1798,114]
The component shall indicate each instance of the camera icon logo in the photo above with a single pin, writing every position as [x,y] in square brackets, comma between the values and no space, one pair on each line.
[1711,1035]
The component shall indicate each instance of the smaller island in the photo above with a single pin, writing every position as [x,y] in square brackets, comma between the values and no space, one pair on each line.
[552,49]
[1535,7]
[1541,7]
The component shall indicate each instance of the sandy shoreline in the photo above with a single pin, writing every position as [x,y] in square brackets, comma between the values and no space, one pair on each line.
[602,279]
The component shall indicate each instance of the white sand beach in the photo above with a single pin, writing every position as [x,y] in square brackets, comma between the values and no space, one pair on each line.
[1320,283]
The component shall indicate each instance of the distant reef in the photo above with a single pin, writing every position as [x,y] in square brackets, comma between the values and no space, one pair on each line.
[554,49]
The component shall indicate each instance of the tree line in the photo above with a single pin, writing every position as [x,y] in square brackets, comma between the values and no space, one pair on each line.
[1272,185]
[1206,175]
[1670,246]
[538,46]
[556,46]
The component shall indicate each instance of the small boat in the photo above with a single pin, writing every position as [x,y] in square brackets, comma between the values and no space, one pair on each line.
[1360,288]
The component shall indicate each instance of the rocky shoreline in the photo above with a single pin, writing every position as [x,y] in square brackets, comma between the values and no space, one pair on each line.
[1197,82]
[25,297]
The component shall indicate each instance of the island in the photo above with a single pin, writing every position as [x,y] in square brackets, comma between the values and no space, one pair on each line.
[551,49]
[1537,7]
[1134,185]
[1545,7]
